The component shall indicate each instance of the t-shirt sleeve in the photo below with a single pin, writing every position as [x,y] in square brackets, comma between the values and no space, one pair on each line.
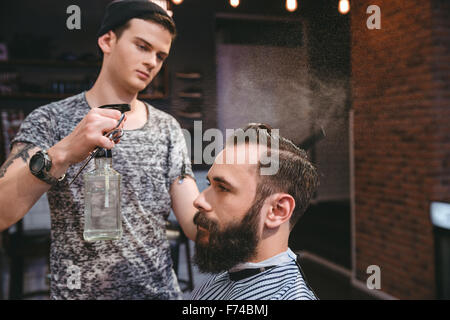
[38,128]
[179,162]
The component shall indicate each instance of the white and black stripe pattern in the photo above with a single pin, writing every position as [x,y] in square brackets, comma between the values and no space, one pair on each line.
[284,282]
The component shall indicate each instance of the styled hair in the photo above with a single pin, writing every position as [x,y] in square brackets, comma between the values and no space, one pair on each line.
[164,21]
[295,176]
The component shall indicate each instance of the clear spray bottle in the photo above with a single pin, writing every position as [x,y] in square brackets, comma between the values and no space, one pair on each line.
[103,220]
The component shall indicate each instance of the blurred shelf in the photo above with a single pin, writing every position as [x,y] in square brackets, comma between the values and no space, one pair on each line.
[190,115]
[188,75]
[190,95]
[49,63]
[151,96]
[55,96]
[161,89]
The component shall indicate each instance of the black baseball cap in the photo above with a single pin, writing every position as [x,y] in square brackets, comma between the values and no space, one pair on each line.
[120,11]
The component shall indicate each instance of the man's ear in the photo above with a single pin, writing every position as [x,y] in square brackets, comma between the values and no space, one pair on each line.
[281,206]
[106,41]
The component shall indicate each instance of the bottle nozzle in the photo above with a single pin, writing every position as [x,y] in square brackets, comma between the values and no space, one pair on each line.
[104,153]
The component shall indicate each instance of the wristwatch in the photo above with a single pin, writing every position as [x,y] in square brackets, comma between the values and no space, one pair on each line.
[40,165]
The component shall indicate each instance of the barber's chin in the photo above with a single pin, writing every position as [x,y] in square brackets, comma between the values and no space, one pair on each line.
[137,85]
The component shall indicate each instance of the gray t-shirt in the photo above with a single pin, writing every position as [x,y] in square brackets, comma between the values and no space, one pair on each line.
[139,265]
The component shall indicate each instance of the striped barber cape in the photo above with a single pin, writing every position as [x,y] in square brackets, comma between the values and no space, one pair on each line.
[280,281]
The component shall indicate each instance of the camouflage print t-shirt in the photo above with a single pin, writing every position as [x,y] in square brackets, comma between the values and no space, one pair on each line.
[139,265]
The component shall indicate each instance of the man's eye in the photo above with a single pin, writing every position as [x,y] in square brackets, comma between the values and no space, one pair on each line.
[222,188]
[141,47]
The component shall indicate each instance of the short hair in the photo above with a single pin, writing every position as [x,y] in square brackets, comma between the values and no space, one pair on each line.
[296,175]
[158,18]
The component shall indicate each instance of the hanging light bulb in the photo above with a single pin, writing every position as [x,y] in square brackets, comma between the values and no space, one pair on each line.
[344,6]
[177,1]
[161,3]
[234,3]
[165,5]
[291,5]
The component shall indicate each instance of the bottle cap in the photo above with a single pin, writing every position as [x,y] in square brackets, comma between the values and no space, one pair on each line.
[104,153]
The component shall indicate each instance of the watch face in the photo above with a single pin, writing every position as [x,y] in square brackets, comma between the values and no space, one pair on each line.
[37,163]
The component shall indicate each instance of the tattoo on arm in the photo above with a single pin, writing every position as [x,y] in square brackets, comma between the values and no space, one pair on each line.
[21,150]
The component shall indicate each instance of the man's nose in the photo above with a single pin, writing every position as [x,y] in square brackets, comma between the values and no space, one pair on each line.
[201,204]
[150,60]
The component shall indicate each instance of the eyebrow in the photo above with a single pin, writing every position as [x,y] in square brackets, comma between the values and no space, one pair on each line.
[166,54]
[221,180]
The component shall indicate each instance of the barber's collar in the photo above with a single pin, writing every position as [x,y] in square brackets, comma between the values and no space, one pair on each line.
[248,269]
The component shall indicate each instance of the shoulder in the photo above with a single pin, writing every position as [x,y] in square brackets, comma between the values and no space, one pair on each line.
[209,287]
[45,125]
[60,107]
[283,282]
[292,285]
[162,118]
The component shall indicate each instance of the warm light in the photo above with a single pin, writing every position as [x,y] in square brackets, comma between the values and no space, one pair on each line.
[164,4]
[291,5]
[177,1]
[234,3]
[344,6]
[161,3]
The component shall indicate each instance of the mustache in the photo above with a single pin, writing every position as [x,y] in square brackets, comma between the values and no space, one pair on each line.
[201,220]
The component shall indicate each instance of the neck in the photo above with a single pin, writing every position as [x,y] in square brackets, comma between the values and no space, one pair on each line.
[272,242]
[107,91]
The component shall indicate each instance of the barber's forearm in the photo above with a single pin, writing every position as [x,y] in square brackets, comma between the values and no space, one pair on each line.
[183,196]
[19,191]
[189,228]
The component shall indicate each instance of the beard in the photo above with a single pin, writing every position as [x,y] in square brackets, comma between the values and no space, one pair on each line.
[224,249]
